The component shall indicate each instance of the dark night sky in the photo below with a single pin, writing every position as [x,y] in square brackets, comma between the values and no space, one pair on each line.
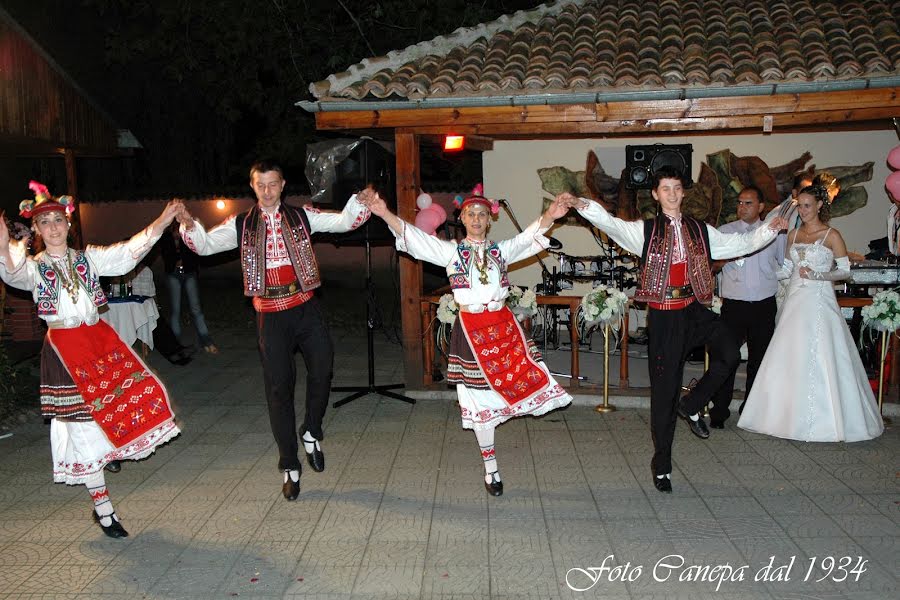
[208,86]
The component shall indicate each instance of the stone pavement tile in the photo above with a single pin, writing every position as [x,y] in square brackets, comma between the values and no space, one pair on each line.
[98,552]
[391,581]
[725,506]
[582,554]
[883,549]
[680,507]
[260,579]
[443,581]
[333,553]
[757,551]
[24,553]
[576,508]
[821,485]
[60,578]
[455,552]
[508,548]
[788,504]
[626,504]
[575,529]
[756,593]
[55,530]
[536,577]
[272,555]
[872,483]
[411,527]
[337,525]
[147,510]
[125,581]
[770,488]
[692,529]
[647,528]
[813,524]
[312,580]
[395,554]
[188,582]
[747,457]
[203,554]
[283,530]
[12,577]
[242,510]
[635,553]
[181,509]
[887,504]
[752,526]
[866,525]
[843,504]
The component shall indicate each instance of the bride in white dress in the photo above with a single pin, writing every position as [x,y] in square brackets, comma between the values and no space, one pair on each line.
[814,387]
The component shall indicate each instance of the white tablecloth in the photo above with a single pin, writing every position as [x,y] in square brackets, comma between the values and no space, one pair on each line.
[133,320]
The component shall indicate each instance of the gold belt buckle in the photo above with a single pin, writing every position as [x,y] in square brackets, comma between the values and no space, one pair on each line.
[292,287]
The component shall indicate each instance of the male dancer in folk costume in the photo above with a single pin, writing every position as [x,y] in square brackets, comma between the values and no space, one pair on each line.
[281,274]
[497,370]
[677,284]
[103,403]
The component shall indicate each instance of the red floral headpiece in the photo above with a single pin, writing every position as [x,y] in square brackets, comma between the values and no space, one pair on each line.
[477,197]
[44,202]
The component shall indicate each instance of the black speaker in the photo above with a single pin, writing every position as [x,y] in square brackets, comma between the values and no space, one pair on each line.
[369,163]
[642,162]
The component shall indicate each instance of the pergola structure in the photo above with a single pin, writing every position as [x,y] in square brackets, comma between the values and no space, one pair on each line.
[595,68]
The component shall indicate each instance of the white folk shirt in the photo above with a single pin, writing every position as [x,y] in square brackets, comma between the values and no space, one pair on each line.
[629,235]
[893,224]
[224,236]
[104,261]
[752,277]
[444,253]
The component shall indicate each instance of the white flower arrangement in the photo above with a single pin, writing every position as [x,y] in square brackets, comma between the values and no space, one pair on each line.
[884,312]
[447,309]
[603,305]
[716,305]
[522,302]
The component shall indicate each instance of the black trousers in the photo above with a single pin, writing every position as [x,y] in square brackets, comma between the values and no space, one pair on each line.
[280,334]
[753,322]
[674,334]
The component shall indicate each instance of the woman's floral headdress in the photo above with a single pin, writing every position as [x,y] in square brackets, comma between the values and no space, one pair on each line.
[44,202]
[477,197]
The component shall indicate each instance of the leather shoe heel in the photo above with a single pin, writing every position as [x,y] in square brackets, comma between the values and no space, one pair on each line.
[316,460]
[717,424]
[663,484]
[113,466]
[114,530]
[495,487]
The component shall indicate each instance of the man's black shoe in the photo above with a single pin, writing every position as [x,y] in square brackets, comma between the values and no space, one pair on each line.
[663,484]
[716,424]
[316,460]
[291,489]
[698,427]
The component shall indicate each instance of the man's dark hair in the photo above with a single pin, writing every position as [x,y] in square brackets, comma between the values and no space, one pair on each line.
[755,190]
[264,166]
[667,172]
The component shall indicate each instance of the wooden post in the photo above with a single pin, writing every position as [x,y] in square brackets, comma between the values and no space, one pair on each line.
[72,190]
[407,157]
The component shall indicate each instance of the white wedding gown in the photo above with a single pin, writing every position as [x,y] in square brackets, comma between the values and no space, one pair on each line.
[811,384]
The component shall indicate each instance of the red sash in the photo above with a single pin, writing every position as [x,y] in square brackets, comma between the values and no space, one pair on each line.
[498,345]
[123,396]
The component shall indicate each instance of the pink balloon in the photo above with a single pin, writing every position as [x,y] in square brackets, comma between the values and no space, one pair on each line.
[439,210]
[894,158]
[428,220]
[892,183]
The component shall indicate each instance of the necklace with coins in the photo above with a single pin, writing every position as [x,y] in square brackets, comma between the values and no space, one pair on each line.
[65,269]
[481,260]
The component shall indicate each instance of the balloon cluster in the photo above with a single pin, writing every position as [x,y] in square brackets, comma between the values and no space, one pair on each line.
[892,183]
[431,215]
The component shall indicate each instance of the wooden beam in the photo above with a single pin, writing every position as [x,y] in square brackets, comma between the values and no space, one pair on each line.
[406,149]
[72,190]
[820,107]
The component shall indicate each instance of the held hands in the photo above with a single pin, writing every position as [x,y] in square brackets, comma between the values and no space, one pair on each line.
[778,224]
[184,218]
[571,201]
[373,201]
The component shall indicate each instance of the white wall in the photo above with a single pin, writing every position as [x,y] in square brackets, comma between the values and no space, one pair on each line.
[510,171]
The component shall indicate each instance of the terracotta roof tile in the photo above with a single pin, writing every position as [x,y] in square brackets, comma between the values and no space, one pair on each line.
[622,45]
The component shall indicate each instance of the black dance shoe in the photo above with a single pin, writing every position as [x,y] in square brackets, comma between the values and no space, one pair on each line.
[115,530]
[663,484]
[316,458]
[495,487]
[113,466]
[717,424]
[698,427]
[291,489]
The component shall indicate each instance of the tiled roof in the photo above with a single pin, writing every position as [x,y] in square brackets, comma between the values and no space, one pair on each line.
[578,46]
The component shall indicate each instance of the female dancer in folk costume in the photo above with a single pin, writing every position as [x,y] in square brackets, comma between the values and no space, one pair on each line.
[815,387]
[497,370]
[104,403]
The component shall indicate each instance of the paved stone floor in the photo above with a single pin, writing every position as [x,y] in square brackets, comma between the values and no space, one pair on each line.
[400,511]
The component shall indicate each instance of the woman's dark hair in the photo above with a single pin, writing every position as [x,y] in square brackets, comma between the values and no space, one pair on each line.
[820,193]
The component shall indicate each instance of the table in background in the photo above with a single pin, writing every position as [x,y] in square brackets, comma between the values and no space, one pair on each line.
[133,317]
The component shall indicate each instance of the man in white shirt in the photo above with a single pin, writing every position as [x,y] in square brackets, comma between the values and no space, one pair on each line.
[893,227]
[748,286]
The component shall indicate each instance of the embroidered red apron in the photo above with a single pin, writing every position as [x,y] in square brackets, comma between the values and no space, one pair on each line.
[124,398]
[498,345]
